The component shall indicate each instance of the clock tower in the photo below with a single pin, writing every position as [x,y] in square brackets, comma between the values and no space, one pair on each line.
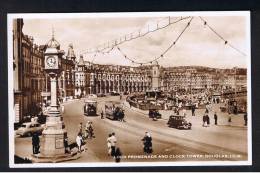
[54,134]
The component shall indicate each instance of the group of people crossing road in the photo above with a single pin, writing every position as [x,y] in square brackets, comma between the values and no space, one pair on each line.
[83,135]
[113,150]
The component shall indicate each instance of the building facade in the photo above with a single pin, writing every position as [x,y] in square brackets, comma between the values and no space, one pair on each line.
[28,73]
[96,79]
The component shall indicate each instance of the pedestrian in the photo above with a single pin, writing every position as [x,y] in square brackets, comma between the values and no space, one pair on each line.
[229,119]
[87,133]
[66,143]
[216,118]
[113,141]
[91,130]
[102,114]
[35,143]
[245,119]
[147,142]
[79,141]
[193,110]
[118,155]
[208,120]
[203,120]
[109,144]
[80,127]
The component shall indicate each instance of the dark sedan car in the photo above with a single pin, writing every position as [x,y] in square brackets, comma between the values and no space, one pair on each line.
[153,113]
[179,122]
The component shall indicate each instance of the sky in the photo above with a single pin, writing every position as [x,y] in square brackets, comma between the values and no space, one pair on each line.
[197,46]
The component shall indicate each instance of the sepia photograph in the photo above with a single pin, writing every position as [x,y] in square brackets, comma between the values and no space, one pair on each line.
[129,89]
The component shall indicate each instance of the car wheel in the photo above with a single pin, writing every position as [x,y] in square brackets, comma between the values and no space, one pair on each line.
[29,134]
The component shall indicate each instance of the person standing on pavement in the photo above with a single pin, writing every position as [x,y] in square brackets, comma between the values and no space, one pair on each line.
[66,143]
[79,141]
[208,120]
[109,144]
[204,119]
[102,114]
[216,118]
[35,143]
[113,141]
[80,128]
[193,110]
[229,119]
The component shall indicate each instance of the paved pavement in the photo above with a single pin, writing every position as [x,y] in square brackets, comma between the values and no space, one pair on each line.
[222,139]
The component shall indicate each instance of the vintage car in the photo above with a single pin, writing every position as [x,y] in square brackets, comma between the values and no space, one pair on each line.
[27,129]
[114,93]
[153,113]
[101,95]
[90,108]
[114,111]
[91,96]
[179,122]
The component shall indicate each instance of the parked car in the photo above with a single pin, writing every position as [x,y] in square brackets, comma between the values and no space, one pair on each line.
[92,96]
[27,129]
[154,113]
[114,93]
[101,95]
[179,122]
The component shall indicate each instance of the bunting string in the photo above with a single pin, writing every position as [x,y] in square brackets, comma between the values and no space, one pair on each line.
[221,37]
[116,44]
[162,54]
[131,37]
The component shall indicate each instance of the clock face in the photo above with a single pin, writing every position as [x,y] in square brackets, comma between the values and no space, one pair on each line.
[51,61]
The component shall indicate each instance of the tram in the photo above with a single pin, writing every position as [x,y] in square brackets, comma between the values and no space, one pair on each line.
[114,111]
[90,108]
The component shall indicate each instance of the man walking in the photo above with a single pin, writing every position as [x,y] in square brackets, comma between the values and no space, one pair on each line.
[113,141]
[79,141]
[147,141]
[193,110]
[102,114]
[109,144]
[216,118]
[35,143]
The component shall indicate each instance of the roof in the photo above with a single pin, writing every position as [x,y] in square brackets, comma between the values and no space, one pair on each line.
[71,53]
[81,61]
